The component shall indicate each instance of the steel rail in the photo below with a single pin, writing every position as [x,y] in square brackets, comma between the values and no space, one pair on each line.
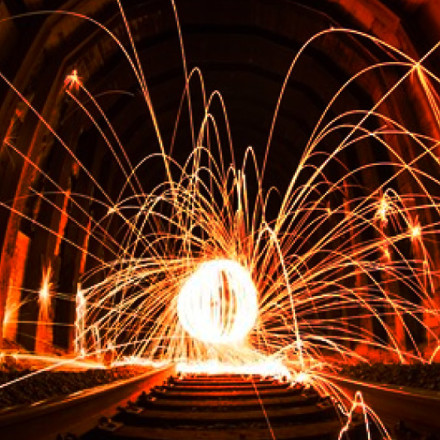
[417,408]
[77,412]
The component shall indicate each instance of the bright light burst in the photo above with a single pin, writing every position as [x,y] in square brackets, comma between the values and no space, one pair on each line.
[218,303]
[45,294]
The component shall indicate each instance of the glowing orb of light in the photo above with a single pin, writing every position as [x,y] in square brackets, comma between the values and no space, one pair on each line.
[218,303]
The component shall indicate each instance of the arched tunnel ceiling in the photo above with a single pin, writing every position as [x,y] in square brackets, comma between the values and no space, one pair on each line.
[244,50]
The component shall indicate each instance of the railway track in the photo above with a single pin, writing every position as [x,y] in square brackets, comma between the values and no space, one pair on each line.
[75,413]
[225,407]
[404,408]
[159,406]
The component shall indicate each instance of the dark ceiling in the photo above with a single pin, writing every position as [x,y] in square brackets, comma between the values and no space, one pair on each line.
[244,50]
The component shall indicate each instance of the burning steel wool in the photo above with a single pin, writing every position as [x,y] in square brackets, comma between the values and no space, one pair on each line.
[204,276]
[218,303]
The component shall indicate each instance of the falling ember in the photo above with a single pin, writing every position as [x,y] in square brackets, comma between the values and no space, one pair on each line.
[383,210]
[218,303]
[72,81]
[44,296]
[80,322]
[44,335]
[415,231]
[328,210]
[386,254]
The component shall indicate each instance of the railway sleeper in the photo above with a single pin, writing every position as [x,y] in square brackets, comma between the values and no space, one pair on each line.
[173,412]
[164,402]
[291,414]
[323,430]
